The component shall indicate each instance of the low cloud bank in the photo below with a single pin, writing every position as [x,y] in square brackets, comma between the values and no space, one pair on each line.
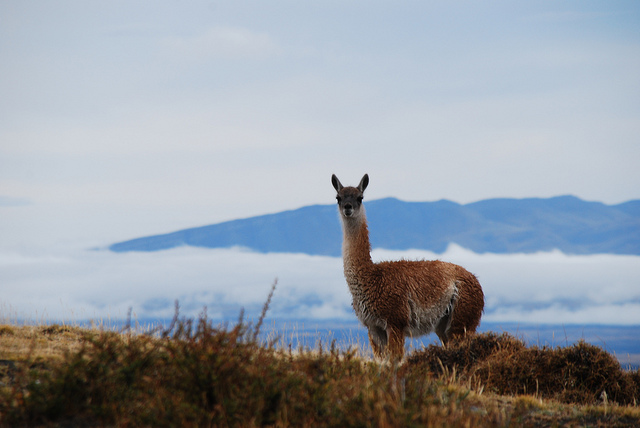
[543,288]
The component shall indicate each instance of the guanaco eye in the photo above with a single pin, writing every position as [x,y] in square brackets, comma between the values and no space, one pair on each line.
[359,199]
[339,199]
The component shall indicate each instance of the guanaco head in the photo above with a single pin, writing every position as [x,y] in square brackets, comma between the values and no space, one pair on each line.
[349,198]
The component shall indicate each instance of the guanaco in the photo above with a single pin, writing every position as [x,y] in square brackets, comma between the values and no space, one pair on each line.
[394,299]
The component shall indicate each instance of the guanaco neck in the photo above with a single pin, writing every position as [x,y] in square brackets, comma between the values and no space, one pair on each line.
[356,248]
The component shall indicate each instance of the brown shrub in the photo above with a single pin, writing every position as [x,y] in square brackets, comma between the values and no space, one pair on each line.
[581,373]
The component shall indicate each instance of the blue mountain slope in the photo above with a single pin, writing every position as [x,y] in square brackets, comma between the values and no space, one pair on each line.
[566,223]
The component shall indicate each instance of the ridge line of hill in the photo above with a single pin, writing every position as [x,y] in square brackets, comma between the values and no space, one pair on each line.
[500,225]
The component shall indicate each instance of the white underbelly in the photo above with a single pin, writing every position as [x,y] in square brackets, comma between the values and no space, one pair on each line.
[423,319]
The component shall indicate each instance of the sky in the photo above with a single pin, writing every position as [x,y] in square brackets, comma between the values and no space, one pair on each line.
[123,119]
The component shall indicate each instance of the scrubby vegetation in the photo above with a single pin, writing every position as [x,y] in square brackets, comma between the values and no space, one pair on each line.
[197,374]
[581,373]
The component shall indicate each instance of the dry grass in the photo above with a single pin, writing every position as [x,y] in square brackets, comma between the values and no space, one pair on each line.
[38,342]
[198,374]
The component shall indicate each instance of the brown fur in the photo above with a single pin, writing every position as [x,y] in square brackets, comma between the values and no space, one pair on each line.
[394,299]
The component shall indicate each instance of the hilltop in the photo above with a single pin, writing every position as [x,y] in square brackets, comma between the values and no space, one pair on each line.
[195,374]
[565,223]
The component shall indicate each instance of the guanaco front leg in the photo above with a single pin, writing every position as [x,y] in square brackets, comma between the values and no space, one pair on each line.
[378,351]
[395,346]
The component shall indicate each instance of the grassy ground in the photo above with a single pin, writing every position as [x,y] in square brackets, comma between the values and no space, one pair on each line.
[198,374]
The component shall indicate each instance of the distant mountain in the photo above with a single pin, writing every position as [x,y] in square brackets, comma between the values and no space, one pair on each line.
[566,223]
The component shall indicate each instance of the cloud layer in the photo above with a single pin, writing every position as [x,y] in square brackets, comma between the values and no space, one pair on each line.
[544,288]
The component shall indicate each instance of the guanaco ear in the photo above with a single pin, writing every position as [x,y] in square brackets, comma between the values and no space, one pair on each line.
[336,183]
[363,183]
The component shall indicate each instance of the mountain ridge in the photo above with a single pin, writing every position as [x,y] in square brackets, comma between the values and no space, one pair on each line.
[500,225]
